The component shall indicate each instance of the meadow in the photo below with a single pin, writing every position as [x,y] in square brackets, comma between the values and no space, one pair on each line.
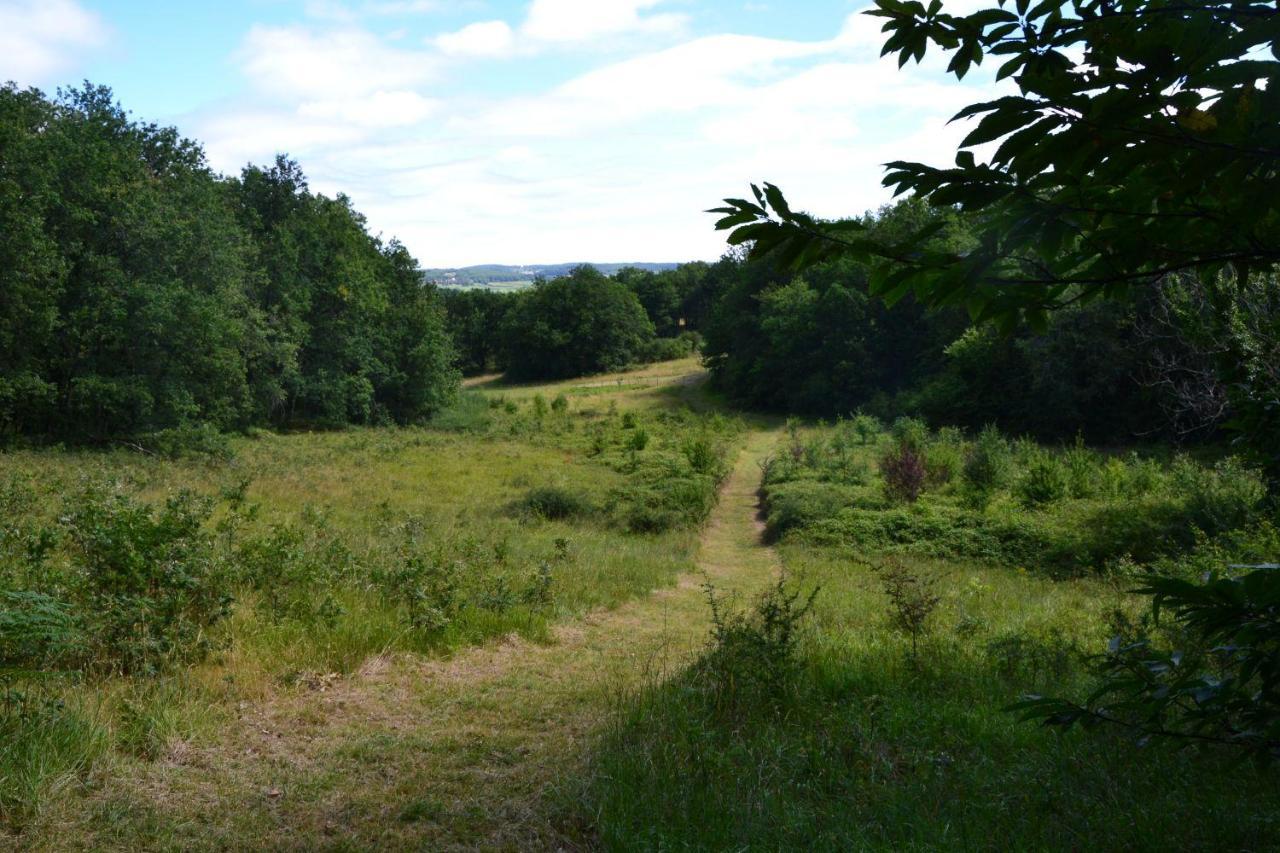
[531,624]
[144,599]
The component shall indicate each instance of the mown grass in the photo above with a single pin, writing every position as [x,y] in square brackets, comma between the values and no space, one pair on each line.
[338,547]
[867,745]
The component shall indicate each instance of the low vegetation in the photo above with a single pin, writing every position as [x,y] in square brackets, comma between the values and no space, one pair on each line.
[141,597]
[939,621]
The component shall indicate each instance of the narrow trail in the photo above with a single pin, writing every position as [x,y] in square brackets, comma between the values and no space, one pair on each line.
[478,751]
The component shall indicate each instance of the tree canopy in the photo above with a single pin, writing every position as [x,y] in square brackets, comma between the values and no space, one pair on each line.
[576,325]
[1141,141]
[140,291]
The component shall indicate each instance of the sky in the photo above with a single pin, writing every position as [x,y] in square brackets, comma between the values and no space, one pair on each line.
[519,131]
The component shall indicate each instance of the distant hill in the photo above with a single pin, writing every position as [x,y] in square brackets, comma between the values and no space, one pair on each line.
[503,276]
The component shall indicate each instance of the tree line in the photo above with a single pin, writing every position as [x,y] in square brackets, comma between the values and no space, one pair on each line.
[142,292]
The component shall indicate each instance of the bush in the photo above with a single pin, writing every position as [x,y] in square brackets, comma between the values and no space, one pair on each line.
[555,503]
[867,427]
[38,631]
[911,432]
[904,471]
[803,503]
[986,466]
[1219,688]
[150,577]
[666,349]
[1223,498]
[1043,482]
[753,656]
[202,439]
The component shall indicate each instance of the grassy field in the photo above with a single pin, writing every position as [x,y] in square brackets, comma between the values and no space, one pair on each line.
[519,510]
[492,633]
[882,732]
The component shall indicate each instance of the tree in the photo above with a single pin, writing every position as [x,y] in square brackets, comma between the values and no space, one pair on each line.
[580,324]
[1155,154]
[475,318]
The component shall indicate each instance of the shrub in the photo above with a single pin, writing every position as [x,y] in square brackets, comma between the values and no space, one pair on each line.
[555,503]
[701,454]
[38,631]
[665,349]
[203,439]
[638,440]
[753,655]
[944,460]
[867,427]
[1220,687]
[1223,498]
[912,600]
[1043,482]
[560,404]
[1082,471]
[904,472]
[986,466]
[911,432]
[803,503]
[152,583]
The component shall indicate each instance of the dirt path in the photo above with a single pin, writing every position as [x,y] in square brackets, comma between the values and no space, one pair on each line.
[479,751]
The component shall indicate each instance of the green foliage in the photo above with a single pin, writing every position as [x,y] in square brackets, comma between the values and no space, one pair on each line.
[577,325]
[555,502]
[1219,688]
[146,300]
[866,426]
[474,318]
[1044,481]
[1095,188]
[753,656]
[986,467]
[912,600]
[150,584]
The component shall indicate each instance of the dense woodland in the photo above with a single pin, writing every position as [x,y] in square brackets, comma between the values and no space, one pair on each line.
[142,292]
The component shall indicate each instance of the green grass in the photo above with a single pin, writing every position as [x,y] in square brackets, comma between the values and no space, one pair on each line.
[871,747]
[872,750]
[334,519]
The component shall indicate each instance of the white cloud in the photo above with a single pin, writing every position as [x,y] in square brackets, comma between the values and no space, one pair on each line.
[343,63]
[616,163]
[40,39]
[380,109]
[580,20]
[486,38]
[559,23]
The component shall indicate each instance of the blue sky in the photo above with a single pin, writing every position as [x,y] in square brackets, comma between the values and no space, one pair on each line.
[520,131]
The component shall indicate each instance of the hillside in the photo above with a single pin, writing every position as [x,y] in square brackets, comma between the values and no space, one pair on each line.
[504,275]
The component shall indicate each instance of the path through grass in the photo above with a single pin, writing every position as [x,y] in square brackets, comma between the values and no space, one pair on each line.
[482,750]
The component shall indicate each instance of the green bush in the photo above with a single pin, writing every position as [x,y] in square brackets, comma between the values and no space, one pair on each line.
[555,503]
[1223,498]
[986,466]
[149,576]
[1044,481]
[802,503]
[38,631]
[866,427]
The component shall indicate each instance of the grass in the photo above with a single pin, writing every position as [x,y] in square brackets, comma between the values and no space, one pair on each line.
[872,746]
[591,714]
[333,517]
